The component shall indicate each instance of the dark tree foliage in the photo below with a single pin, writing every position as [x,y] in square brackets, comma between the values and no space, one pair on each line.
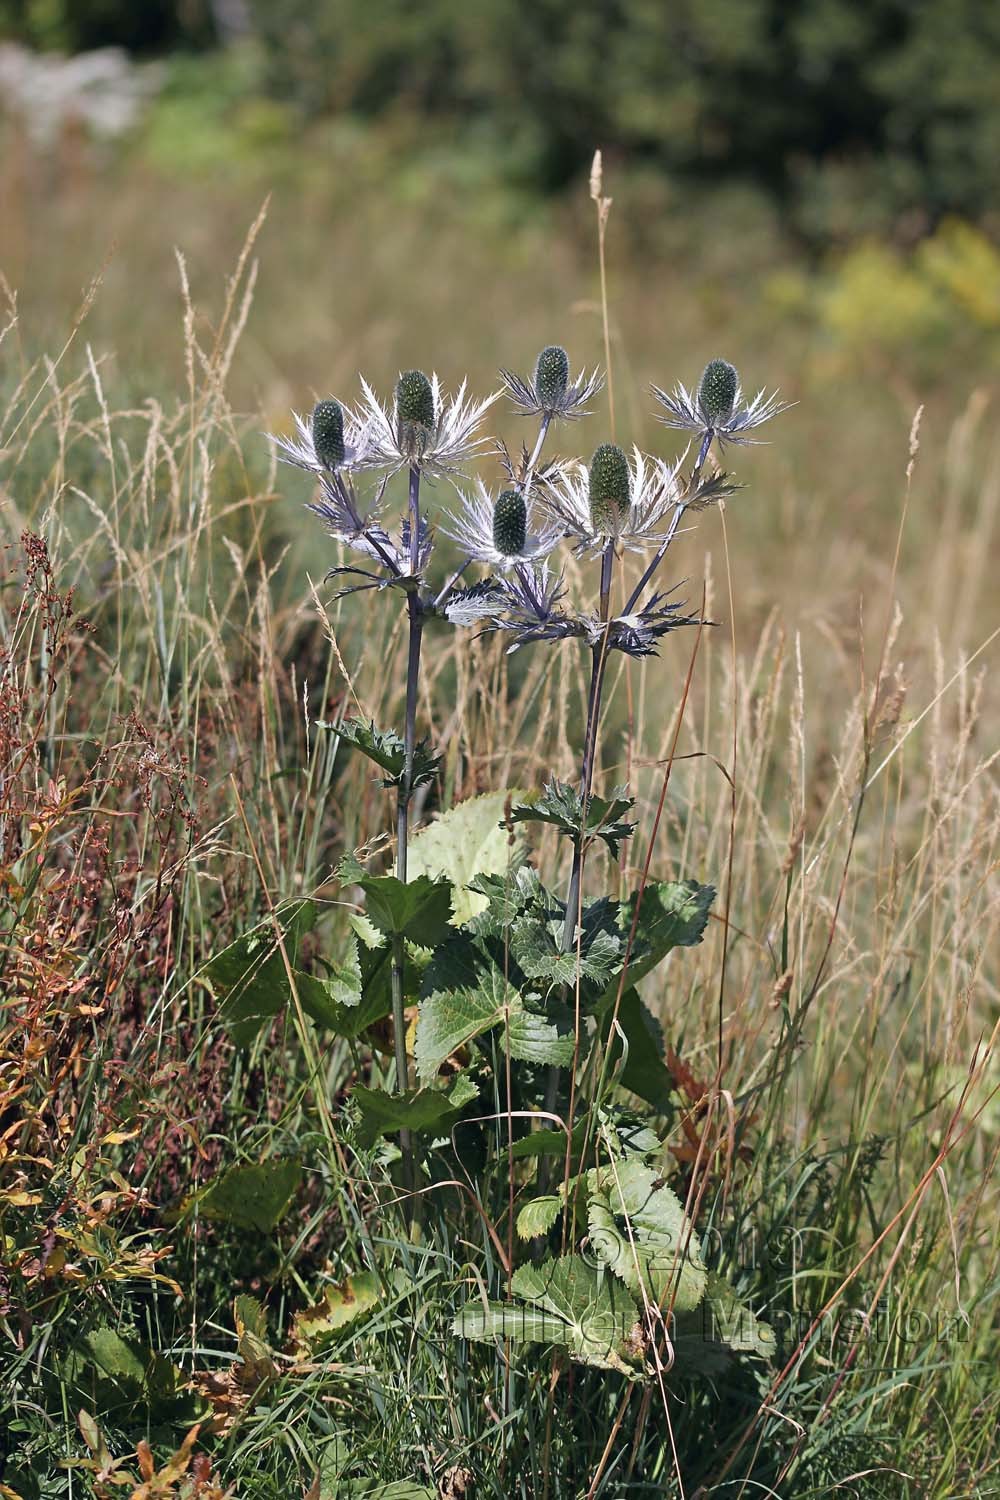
[141,26]
[771,90]
[894,100]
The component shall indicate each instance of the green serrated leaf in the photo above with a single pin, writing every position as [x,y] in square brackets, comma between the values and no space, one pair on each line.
[249,1316]
[250,977]
[338,1306]
[568,1304]
[467,995]
[562,806]
[388,751]
[644,1072]
[672,914]
[254,1196]
[117,1359]
[538,1216]
[420,909]
[731,1322]
[466,841]
[639,1230]
[535,1039]
[536,946]
[508,897]
[416,1110]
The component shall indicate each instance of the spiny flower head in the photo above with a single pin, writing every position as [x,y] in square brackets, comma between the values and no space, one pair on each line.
[717,390]
[498,531]
[718,409]
[609,489]
[616,499]
[333,438]
[510,522]
[550,392]
[327,427]
[425,429]
[414,412]
[551,376]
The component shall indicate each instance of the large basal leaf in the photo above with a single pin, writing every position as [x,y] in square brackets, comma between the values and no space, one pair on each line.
[254,1196]
[250,977]
[420,909]
[416,1110]
[123,1371]
[567,1304]
[467,995]
[639,1230]
[644,1072]
[336,1309]
[466,841]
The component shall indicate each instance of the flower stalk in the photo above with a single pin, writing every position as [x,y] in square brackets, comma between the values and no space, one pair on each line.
[415,613]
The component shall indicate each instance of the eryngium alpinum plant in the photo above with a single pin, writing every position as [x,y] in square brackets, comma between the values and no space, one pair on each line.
[529,1012]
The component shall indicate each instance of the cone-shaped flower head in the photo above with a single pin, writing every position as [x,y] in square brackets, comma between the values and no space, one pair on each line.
[510,523]
[551,378]
[424,427]
[331,439]
[718,409]
[327,426]
[501,531]
[610,486]
[717,391]
[551,391]
[414,412]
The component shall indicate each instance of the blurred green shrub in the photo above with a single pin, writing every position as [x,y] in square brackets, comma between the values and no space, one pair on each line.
[77,25]
[876,301]
[854,117]
[887,108]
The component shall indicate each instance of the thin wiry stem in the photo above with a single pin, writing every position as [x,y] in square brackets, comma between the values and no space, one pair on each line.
[416,621]
[543,428]
[675,521]
[600,657]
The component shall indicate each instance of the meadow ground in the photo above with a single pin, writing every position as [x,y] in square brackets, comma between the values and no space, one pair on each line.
[168,644]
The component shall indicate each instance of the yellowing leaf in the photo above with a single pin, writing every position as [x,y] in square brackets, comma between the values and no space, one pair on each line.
[467,840]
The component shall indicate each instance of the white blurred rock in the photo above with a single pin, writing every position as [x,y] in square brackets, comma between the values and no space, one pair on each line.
[102,91]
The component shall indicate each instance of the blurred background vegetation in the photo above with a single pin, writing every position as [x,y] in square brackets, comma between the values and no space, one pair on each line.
[850,117]
[807,186]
